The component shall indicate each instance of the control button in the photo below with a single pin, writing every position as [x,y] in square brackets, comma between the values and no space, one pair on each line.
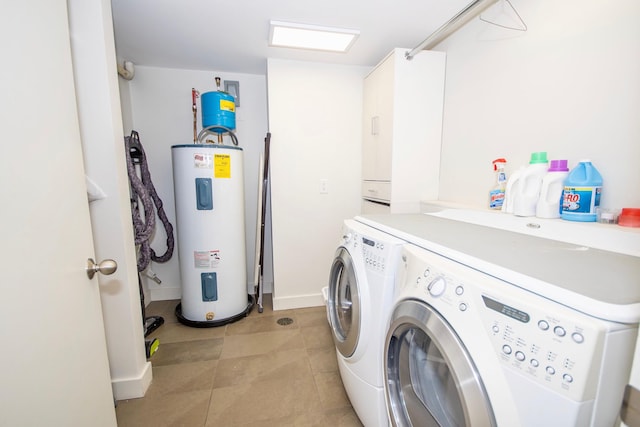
[437,286]
[534,363]
[418,280]
[520,356]
[495,329]
[559,331]
[427,271]
[506,349]
[577,337]
[543,324]
[551,370]
[459,290]
[567,378]
[462,306]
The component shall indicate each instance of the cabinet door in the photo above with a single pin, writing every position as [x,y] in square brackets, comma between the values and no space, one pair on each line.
[369,125]
[378,122]
[386,109]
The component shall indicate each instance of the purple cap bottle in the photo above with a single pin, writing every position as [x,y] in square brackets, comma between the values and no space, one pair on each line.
[558,166]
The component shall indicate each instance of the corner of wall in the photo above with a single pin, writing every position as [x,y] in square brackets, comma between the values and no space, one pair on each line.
[131,388]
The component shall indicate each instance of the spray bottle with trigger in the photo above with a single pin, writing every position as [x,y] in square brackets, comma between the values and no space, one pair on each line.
[496,195]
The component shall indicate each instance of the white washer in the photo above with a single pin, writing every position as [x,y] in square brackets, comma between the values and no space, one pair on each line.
[484,331]
[359,301]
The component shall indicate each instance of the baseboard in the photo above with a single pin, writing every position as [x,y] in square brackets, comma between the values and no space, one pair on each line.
[298,301]
[165,293]
[133,388]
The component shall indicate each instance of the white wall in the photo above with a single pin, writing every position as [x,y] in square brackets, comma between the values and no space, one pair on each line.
[315,115]
[569,86]
[160,100]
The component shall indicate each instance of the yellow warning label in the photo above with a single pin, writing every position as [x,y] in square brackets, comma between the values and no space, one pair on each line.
[226,105]
[222,166]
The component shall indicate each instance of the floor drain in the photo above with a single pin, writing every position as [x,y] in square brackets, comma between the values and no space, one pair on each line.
[284,321]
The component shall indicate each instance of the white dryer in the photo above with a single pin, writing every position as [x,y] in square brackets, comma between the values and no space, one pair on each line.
[493,328]
[359,302]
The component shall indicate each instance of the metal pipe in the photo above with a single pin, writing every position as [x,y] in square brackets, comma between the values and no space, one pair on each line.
[472,10]
[126,71]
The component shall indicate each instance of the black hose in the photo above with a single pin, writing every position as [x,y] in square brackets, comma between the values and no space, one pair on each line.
[142,189]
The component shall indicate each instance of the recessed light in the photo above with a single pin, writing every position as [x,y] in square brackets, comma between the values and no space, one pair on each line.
[303,36]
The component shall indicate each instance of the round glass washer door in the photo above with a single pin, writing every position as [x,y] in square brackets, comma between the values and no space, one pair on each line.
[344,303]
[431,381]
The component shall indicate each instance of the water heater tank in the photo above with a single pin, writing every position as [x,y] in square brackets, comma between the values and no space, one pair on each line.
[209,199]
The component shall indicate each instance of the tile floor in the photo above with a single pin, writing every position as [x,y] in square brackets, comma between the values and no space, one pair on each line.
[253,372]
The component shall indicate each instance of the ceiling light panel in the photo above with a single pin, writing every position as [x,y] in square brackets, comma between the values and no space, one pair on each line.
[303,36]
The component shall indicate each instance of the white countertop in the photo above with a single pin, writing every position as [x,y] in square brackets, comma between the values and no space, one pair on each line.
[598,282]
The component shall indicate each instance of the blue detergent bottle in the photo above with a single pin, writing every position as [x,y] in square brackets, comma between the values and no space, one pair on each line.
[581,193]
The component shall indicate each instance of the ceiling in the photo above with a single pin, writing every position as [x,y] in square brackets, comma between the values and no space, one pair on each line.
[232,36]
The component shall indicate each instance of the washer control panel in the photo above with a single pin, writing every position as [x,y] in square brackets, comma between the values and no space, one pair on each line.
[549,343]
[550,346]
[376,252]
[436,285]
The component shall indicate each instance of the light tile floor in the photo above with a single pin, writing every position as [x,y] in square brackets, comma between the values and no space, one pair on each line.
[253,372]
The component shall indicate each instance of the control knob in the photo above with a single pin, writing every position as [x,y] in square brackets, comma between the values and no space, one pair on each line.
[437,286]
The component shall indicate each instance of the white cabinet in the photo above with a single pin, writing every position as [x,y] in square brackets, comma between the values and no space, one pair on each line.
[402,129]
[378,122]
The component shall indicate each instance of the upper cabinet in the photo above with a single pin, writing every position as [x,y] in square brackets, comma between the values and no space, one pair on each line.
[402,129]
[378,96]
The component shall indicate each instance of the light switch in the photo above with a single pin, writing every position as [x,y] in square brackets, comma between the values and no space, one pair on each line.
[324,186]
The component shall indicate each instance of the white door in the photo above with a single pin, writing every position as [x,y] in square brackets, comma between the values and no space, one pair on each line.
[53,361]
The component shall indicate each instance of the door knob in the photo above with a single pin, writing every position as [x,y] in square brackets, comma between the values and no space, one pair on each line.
[106,267]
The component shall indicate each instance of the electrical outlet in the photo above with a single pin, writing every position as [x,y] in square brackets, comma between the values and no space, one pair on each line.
[324,186]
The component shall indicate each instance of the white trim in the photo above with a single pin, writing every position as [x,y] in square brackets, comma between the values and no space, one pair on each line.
[298,301]
[131,388]
[162,294]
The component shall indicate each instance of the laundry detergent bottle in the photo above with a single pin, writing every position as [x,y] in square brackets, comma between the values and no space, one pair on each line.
[512,188]
[526,198]
[549,203]
[581,193]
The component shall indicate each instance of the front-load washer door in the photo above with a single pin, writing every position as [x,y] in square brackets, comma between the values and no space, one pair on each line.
[430,379]
[344,303]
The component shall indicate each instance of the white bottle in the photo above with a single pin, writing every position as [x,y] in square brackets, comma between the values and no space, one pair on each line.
[526,198]
[549,202]
[511,189]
